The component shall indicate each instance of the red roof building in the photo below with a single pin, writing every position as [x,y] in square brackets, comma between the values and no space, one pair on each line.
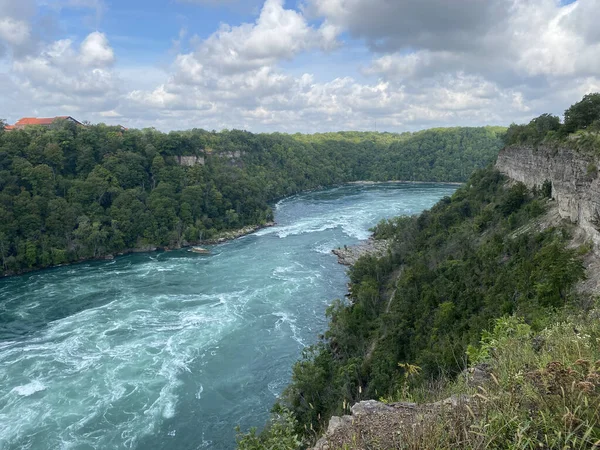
[43,121]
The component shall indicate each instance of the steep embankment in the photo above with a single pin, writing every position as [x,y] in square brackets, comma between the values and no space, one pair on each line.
[574,179]
[522,364]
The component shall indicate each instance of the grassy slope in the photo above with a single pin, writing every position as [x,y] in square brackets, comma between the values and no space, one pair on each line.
[543,390]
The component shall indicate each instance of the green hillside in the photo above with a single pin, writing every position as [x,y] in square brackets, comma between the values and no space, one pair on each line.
[70,193]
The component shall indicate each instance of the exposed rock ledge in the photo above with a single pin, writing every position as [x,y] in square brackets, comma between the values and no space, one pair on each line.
[348,255]
[377,425]
[383,426]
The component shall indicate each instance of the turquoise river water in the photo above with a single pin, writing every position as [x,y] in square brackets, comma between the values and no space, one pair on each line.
[172,350]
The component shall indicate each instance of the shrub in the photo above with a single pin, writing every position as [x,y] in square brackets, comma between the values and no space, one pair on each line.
[547,189]
[278,435]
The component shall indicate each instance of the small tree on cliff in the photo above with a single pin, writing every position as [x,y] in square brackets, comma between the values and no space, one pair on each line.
[545,123]
[532,133]
[583,114]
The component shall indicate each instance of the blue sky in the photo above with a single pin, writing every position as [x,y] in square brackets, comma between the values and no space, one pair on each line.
[287,65]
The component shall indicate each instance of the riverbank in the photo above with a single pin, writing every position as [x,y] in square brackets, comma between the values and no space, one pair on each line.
[349,254]
[225,236]
[219,238]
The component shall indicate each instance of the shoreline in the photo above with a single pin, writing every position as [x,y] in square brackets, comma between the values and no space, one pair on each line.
[230,235]
[225,236]
[350,254]
[220,238]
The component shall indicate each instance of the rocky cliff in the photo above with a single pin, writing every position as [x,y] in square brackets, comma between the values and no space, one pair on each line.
[574,178]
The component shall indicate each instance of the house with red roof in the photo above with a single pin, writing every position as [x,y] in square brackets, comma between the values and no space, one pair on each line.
[43,121]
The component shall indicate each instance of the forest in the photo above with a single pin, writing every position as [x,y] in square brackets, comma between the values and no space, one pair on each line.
[70,193]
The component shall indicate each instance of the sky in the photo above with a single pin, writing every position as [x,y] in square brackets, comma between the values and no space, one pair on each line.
[297,65]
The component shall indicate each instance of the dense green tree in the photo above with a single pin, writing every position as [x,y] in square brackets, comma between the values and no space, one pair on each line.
[545,123]
[583,114]
[534,132]
[68,192]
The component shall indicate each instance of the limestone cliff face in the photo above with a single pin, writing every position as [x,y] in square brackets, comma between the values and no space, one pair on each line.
[574,178]
[190,161]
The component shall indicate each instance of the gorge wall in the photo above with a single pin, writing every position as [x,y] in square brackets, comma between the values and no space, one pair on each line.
[574,178]
[576,191]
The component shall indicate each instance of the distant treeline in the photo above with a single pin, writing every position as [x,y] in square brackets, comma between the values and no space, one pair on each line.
[69,193]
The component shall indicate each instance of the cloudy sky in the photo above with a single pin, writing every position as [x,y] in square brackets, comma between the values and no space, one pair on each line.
[297,65]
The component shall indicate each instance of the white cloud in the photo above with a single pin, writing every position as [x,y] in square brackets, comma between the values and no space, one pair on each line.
[15,32]
[584,20]
[66,79]
[266,99]
[431,63]
[15,28]
[392,25]
[111,114]
[96,51]
[56,77]
[163,99]
[277,34]
[537,38]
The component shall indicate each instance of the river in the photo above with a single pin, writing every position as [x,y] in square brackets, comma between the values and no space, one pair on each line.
[172,350]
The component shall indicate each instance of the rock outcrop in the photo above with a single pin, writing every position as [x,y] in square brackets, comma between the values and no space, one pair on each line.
[348,255]
[190,161]
[376,425]
[574,178]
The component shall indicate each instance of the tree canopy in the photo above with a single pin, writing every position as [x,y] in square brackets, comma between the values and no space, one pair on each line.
[583,113]
[70,192]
